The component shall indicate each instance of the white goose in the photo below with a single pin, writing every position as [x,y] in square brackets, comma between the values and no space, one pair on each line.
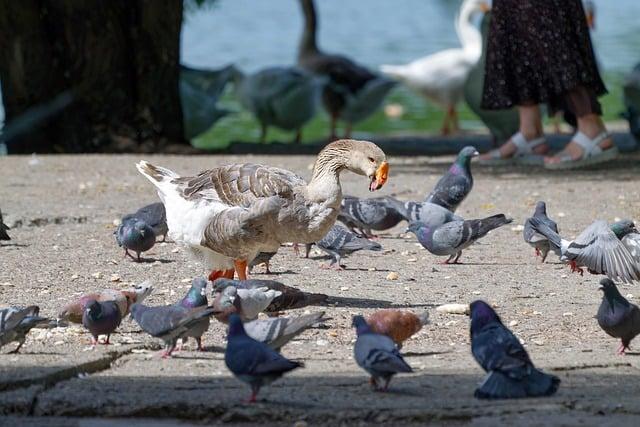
[227,215]
[440,77]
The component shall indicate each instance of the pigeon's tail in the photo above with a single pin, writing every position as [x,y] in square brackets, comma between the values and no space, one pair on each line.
[497,385]
[542,228]
[480,227]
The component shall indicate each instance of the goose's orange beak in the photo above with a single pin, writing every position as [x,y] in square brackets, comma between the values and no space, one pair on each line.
[380,177]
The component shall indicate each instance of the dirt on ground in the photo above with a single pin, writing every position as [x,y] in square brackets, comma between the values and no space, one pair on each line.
[62,211]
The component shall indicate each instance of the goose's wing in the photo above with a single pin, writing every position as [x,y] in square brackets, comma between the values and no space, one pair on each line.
[598,249]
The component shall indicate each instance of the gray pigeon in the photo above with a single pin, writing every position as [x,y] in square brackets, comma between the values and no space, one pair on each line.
[456,183]
[251,361]
[15,324]
[340,242]
[364,215]
[537,240]
[3,229]
[262,258]
[377,354]
[451,238]
[426,212]
[168,322]
[101,318]
[196,297]
[247,303]
[617,316]
[155,216]
[277,331]
[598,247]
[136,235]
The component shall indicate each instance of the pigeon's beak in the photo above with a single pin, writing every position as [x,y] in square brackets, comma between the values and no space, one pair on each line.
[380,177]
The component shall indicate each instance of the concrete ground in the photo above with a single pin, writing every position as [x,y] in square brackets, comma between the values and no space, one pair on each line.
[63,208]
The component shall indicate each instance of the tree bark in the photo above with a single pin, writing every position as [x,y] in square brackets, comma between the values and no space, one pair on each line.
[118,58]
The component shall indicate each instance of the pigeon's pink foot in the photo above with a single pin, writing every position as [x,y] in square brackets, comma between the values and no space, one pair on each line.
[537,252]
[444,262]
[337,267]
[575,268]
[622,349]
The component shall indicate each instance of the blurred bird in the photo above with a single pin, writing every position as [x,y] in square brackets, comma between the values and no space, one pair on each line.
[399,325]
[124,298]
[247,303]
[251,361]
[377,355]
[15,324]
[136,235]
[363,215]
[340,242]
[451,238]
[3,229]
[510,371]
[456,184]
[101,318]
[278,331]
[537,240]
[262,258]
[617,316]
[155,216]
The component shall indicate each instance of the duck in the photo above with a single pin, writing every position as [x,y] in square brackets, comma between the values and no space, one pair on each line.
[227,215]
[502,124]
[440,77]
[352,92]
[284,97]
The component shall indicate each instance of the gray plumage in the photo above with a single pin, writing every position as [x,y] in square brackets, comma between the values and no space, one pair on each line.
[277,331]
[426,212]
[362,216]
[196,297]
[101,318]
[15,324]
[340,242]
[451,238]
[247,303]
[617,316]
[537,240]
[155,216]
[454,186]
[3,229]
[262,258]
[135,235]
[377,354]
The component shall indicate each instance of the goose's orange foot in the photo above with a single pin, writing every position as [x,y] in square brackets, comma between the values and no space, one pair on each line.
[241,268]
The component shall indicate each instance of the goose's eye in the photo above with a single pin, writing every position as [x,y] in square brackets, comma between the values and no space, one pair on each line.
[372,160]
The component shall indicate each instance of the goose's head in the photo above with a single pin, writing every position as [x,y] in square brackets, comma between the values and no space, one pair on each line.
[366,158]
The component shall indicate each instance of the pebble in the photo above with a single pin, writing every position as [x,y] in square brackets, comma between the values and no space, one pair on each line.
[114,278]
[412,260]
[371,269]
[568,313]
[175,251]
[476,292]
[513,323]
[97,275]
[7,284]
[537,313]
[344,288]
[393,276]
[630,296]
[322,343]
[517,228]
[185,280]
[538,342]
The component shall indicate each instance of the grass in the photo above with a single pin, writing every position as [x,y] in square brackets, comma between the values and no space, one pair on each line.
[419,117]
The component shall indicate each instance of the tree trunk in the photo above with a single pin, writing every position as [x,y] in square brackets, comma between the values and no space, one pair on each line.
[119,59]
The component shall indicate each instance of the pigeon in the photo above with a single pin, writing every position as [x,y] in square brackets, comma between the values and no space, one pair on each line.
[247,303]
[262,258]
[289,298]
[277,331]
[617,316]
[101,318]
[537,240]
[456,183]
[598,248]
[3,229]
[155,216]
[363,215]
[136,235]
[340,242]
[168,322]
[73,311]
[426,212]
[251,361]
[510,371]
[377,354]
[398,325]
[15,324]
[451,238]
[196,297]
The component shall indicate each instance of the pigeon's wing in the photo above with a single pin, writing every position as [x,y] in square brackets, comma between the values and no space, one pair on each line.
[530,235]
[159,321]
[254,301]
[495,348]
[379,353]
[11,317]
[598,249]
[153,214]
[450,191]
[451,234]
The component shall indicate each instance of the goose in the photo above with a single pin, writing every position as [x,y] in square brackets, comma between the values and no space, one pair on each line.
[226,215]
[440,77]
[284,97]
[353,92]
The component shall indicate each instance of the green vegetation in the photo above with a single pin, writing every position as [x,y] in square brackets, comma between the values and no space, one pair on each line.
[419,116]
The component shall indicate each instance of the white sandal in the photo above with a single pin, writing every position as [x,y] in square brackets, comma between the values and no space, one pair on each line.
[523,155]
[592,153]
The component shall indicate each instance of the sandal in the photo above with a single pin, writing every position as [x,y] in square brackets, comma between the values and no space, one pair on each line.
[592,153]
[523,155]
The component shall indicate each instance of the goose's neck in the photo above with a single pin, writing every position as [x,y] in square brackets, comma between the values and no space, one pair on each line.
[308,41]
[325,182]
[470,37]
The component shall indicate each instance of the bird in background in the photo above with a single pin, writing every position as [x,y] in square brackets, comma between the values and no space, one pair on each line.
[340,242]
[253,362]
[510,371]
[3,229]
[537,240]
[456,184]
[377,354]
[617,316]
[101,318]
[135,235]
[399,325]
[155,216]
[15,324]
